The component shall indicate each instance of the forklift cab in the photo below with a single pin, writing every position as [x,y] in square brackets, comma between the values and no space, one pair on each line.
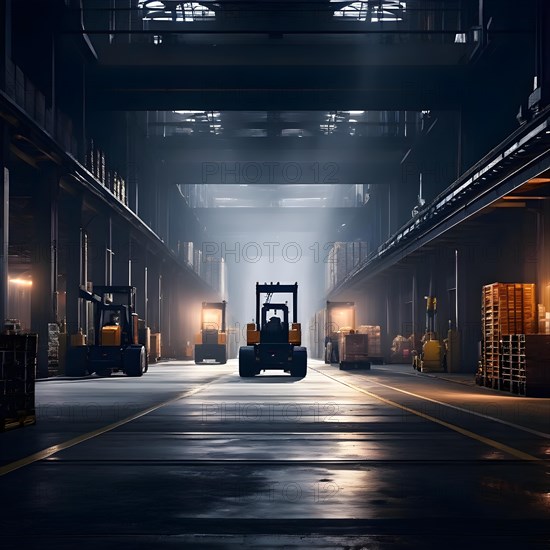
[274,330]
[114,320]
[115,326]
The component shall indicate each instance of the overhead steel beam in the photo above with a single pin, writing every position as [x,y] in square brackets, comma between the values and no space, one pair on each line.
[238,221]
[463,214]
[319,170]
[341,145]
[357,53]
[277,88]
[523,156]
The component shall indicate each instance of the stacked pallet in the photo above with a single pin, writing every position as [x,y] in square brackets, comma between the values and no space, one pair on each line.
[543,319]
[525,364]
[506,308]
[512,363]
[373,331]
[342,259]
[17,379]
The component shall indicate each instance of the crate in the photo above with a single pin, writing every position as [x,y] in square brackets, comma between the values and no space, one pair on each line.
[373,332]
[525,364]
[17,380]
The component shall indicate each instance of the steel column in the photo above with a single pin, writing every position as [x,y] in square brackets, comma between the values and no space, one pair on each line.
[44,265]
[5,40]
[72,212]
[4,220]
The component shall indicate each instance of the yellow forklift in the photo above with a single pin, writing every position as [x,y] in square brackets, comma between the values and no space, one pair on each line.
[274,343]
[432,356]
[211,341]
[116,347]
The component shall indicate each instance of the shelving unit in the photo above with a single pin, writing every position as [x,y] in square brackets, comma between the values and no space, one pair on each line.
[525,364]
[506,309]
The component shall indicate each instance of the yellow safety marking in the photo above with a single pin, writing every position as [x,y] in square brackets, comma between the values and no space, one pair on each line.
[482,439]
[474,413]
[46,453]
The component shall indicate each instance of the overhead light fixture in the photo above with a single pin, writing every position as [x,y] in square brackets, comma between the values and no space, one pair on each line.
[21,282]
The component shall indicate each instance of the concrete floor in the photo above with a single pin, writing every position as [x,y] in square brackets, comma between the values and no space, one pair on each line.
[195,457]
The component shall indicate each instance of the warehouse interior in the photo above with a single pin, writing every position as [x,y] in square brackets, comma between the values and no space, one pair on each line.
[391,158]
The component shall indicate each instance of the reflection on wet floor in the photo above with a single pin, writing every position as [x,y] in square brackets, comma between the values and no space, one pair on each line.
[239,452]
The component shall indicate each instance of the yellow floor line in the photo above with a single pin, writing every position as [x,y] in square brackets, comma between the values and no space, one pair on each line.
[482,439]
[474,413]
[46,453]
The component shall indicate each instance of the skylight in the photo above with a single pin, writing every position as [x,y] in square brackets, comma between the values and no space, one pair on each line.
[159,10]
[371,11]
[335,120]
[200,121]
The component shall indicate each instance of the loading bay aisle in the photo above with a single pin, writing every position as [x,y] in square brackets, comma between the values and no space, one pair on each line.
[190,457]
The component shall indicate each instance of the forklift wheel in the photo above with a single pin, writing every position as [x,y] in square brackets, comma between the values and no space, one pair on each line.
[76,363]
[247,361]
[134,361]
[299,363]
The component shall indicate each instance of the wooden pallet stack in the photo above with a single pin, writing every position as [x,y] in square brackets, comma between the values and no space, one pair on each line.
[506,309]
[373,332]
[525,364]
[17,380]
[512,363]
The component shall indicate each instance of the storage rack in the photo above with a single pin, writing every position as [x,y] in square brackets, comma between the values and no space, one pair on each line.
[513,361]
[506,309]
[525,364]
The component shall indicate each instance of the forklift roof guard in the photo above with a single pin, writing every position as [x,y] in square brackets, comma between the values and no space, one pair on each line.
[101,292]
